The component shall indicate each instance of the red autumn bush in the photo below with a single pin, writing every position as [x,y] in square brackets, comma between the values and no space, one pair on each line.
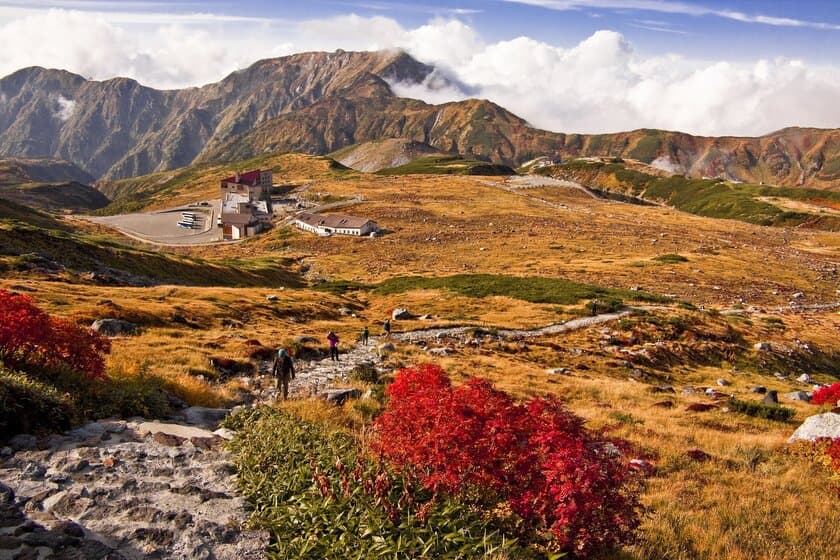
[827,395]
[537,458]
[30,338]
[833,453]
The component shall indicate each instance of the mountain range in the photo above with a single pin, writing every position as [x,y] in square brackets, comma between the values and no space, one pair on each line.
[318,103]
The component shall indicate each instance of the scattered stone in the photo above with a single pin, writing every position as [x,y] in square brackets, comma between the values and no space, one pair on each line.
[209,418]
[663,389]
[271,297]
[780,376]
[723,382]
[442,351]
[798,396]
[386,349]
[771,398]
[401,314]
[826,425]
[114,327]
[559,371]
[759,389]
[804,378]
[664,404]
[345,311]
[698,455]
[797,295]
[762,346]
[340,396]
[168,440]
[23,441]
[643,466]
[700,407]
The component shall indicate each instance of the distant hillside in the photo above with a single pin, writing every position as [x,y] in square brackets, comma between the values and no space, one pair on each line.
[370,157]
[318,103]
[14,171]
[448,165]
[757,204]
[201,181]
[56,197]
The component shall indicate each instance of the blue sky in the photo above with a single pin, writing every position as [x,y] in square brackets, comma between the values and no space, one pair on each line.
[704,66]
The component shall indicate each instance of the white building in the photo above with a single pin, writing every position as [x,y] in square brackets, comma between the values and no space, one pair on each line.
[335,224]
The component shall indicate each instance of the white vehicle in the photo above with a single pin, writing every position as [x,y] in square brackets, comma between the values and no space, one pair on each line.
[185,225]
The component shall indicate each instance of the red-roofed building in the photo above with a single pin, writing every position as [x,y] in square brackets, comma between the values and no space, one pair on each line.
[246,203]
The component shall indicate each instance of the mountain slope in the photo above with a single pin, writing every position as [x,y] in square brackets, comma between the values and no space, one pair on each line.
[120,128]
[321,102]
[370,157]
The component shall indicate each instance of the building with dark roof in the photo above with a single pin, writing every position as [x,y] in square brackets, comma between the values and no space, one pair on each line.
[330,224]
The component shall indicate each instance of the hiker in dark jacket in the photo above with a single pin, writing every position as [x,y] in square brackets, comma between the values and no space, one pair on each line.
[365,335]
[386,326]
[283,370]
[333,338]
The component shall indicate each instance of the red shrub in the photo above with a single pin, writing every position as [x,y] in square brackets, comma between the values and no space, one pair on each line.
[473,440]
[833,453]
[827,395]
[31,338]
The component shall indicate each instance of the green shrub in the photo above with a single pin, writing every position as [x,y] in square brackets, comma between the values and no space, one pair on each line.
[670,259]
[320,498]
[31,406]
[761,410]
[365,372]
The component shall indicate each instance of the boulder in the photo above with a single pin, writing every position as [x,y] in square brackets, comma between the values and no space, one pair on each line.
[386,349]
[759,389]
[114,327]
[723,382]
[209,418]
[558,371]
[798,396]
[271,297]
[401,314]
[771,398]
[825,425]
[762,346]
[700,407]
[804,378]
[442,351]
[340,396]
[23,442]
[346,311]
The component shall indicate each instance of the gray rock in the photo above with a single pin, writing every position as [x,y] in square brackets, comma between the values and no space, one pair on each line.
[340,396]
[723,382]
[386,349]
[401,314]
[114,327]
[558,371]
[443,351]
[804,378]
[825,425]
[23,441]
[426,317]
[345,311]
[209,418]
[798,396]
[759,389]
[271,297]
[762,346]
[771,398]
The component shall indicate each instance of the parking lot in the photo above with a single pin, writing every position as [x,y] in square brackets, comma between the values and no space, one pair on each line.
[162,226]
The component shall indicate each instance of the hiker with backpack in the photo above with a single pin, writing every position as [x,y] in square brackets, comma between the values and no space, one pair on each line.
[283,370]
[333,338]
[386,326]
[365,335]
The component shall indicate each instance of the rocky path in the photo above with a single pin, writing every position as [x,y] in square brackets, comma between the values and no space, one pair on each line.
[134,489]
[123,490]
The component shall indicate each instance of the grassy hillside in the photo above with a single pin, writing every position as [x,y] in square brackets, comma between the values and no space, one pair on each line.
[56,197]
[756,204]
[448,165]
[31,240]
[201,181]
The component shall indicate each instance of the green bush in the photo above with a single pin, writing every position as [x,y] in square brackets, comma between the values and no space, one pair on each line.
[670,259]
[31,406]
[365,372]
[319,498]
[761,410]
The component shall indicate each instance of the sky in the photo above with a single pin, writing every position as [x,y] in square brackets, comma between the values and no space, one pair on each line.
[711,67]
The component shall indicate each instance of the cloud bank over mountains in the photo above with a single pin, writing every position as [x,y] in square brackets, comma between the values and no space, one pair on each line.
[598,85]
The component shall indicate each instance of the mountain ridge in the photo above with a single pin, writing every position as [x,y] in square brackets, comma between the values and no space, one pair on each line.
[320,102]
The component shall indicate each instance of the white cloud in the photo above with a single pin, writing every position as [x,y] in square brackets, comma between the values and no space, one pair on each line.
[599,85]
[65,108]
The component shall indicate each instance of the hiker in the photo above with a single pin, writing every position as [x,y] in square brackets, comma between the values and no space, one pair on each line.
[283,370]
[386,326]
[333,338]
[365,335]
